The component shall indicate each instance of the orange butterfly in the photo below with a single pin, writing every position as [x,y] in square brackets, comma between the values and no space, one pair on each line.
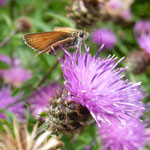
[65,36]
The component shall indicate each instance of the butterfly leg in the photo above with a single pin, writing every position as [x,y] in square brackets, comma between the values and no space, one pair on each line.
[44,50]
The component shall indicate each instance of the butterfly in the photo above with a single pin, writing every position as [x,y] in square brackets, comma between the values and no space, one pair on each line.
[64,36]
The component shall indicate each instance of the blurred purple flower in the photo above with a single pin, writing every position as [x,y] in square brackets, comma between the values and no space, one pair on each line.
[6,99]
[16,74]
[104,36]
[2,2]
[39,99]
[147,134]
[144,42]
[99,86]
[128,137]
[142,34]
[119,8]
[142,27]
[115,4]
[87,147]
[127,15]
[5,59]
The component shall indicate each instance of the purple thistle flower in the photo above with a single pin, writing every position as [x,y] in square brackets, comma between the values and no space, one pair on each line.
[128,137]
[16,74]
[115,4]
[104,36]
[6,99]
[5,59]
[2,2]
[147,134]
[142,34]
[99,86]
[144,42]
[127,15]
[119,8]
[142,27]
[39,99]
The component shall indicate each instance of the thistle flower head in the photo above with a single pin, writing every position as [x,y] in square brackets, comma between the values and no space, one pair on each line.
[104,36]
[39,99]
[6,99]
[119,8]
[2,2]
[23,140]
[142,34]
[5,59]
[98,85]
[127,15]
[15,74]
[142,27]
[128,137]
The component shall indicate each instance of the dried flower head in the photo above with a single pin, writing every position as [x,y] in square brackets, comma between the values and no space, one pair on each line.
[104,36]
[23,140]
[6,99]
[98,85]
[39,99]
[128,137]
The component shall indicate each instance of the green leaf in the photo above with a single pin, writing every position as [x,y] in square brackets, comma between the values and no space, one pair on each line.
[43,114]
[7,19]
[2,123]
[62,19]
[39,24]
[3,65]
[31,83]
[9,115]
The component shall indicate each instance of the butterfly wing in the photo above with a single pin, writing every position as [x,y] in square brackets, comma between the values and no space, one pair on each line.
[66,29]
[41,41]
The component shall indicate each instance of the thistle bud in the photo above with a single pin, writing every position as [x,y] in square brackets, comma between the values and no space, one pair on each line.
[83,12]
[23,24]
[68,117]
[137,62]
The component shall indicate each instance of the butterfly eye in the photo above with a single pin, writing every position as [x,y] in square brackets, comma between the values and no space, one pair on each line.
[81,34]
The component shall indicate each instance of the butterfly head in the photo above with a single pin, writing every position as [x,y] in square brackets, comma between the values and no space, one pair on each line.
[83,35]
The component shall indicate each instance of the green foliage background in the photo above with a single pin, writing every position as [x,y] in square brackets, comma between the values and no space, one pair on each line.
[44,16]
